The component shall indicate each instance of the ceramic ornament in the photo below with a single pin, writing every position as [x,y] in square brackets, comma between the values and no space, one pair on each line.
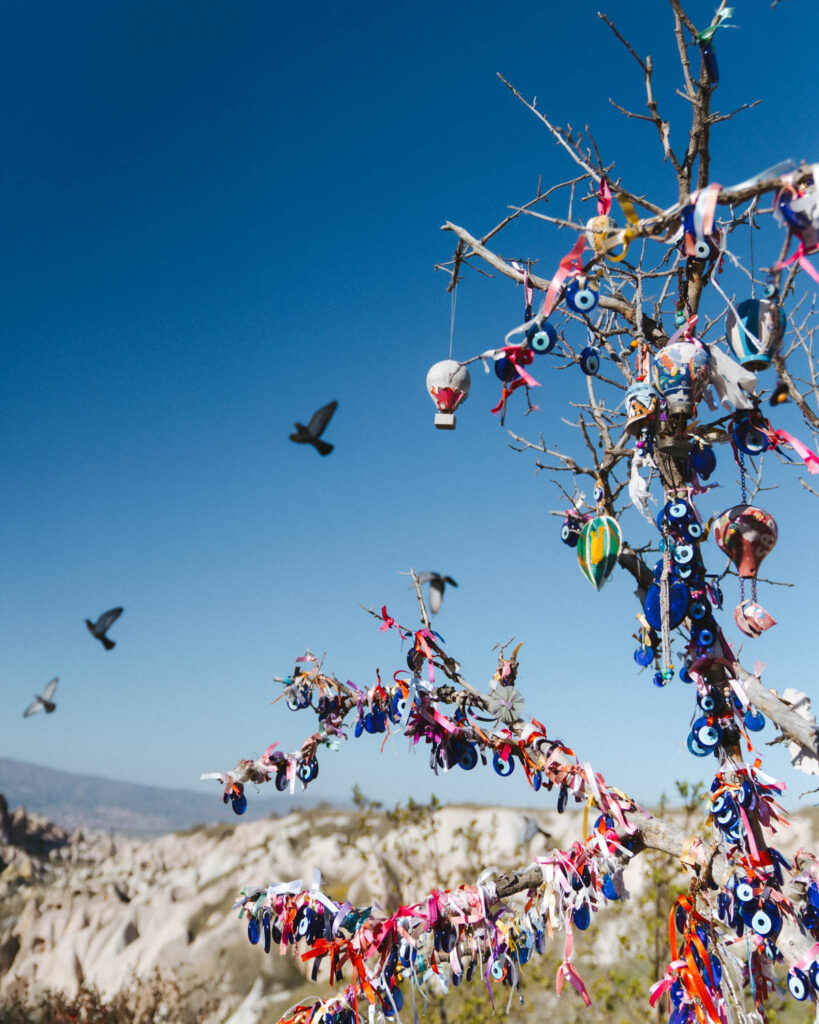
[755,332]
[641,407]
[598,546]
[746,534]
[752,618]
[599,230]
[682,372]
[448,385]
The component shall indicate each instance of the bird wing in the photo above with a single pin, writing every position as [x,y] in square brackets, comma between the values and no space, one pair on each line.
[450,581]
[35,706]
[424,577]
[321,418]
[107,620]
[48,692]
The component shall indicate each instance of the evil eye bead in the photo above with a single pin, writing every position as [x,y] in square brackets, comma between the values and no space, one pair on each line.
[694,531]
[608,889]
[580,299]
[239,802]
[468,757]
[702,250]
[685,675]
[542,339]
[281,780]
[659,680]
[305,920]
[568,536]
[765,920]
[505,369]
[705,637]
[683,554]
[398,706]
[304,699]
[644,656]
[581,918]
[798,985]
[598,493]
[498,971]
[705,734]
[698,610]
[589,361]
[537,781]
[253,931]
[677,511]
[266,930]
[526,944]
[813,974]
[744,892]
[706,702]
[562,799]
[754,720]
[503,768]
[716,970]
[369,723]
[695,748]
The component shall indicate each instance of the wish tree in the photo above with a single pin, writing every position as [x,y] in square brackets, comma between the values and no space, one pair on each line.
[685,350]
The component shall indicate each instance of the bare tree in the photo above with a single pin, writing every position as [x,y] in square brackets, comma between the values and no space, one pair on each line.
[625,284]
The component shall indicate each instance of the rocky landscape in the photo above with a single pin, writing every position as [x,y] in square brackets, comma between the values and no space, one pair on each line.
[98,910]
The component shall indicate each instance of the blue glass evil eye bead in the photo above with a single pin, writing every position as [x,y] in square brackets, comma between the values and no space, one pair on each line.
[705,733]
[754,720]
[644,656]
[503,768]
[253,930]
[469,757]
[798,984]
[239,803]
[581,918]
[580,299]
[505,369]
[589,361]
[685,675]
[608,889]
[695,748]
[543,338]
[369,723]
[659,679]
[537,781]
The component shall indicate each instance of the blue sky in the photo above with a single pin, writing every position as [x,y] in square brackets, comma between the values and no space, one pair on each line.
[216,218]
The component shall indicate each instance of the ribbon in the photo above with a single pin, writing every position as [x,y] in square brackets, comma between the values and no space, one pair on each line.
[810,458]
[571,264]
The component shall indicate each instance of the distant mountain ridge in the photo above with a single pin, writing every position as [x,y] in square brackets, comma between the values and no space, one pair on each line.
[93,802]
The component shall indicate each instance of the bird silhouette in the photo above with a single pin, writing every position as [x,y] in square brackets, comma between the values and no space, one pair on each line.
[99,628]
[437,585]
[315,428]
[43,701]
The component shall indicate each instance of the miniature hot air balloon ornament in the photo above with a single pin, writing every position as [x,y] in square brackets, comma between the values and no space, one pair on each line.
[642,400]
[600,229]
[799,208]
[746,534]
[598,545]
[682,372]
[755,332]
[448,385]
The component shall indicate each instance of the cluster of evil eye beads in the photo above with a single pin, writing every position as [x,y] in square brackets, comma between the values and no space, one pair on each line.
[716,723]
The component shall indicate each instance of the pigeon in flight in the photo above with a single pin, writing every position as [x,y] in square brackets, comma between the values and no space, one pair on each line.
[43,701]
[99,628]
[315,428]
[437,584]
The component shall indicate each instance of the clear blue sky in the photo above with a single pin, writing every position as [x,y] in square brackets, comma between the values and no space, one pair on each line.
[217,217]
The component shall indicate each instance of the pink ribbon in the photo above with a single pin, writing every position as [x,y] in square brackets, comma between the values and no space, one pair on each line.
[810,458]
[570,264]
[803,262]
[603,199]
[568,970]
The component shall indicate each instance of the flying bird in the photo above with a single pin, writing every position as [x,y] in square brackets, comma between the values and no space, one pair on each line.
[43,701]
[437,584]
[99,628]
[315,428]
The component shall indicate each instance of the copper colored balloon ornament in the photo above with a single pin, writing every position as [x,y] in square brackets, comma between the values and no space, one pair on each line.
[448,385]
[752,618]
[746,534]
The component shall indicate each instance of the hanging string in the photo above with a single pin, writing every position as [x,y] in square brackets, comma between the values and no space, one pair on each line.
[452,319]
[744,494]
[665,602]
[751,246]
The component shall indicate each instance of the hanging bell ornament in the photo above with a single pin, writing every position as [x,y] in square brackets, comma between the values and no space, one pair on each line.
[682,372]
[752,618]
[755,332]
[448,385]
[598,546]
[746,534]
[641,408]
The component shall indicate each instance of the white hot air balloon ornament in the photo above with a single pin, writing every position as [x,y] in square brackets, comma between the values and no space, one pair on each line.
[448,385]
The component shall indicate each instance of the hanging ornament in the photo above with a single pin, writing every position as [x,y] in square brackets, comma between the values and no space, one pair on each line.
[752,618]
[641,408]
[798,207]
[682,372]
[505,368]
[703,460]
[599,231]
[448,385]
[749,434]
[755,332]
[746,534]
[590,361]
[598,546]
[542,338]
[581,294]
